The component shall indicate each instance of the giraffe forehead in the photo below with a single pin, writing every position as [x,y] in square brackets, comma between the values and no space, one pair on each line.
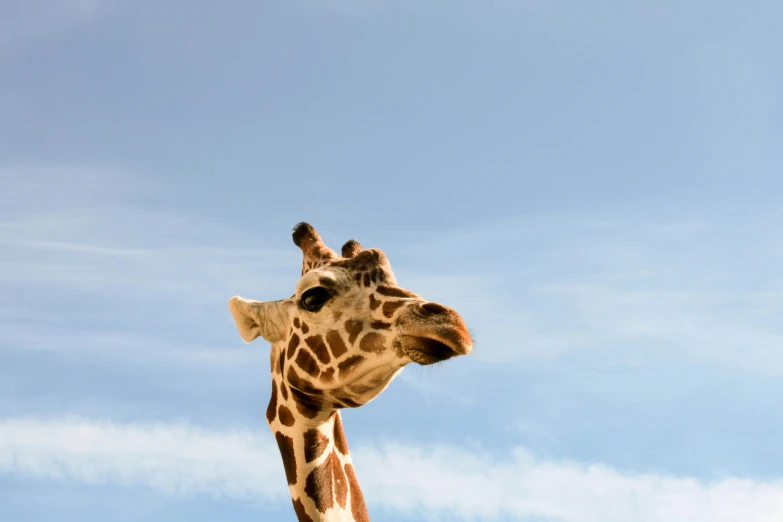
[369,259]
[327,276]
[338,276]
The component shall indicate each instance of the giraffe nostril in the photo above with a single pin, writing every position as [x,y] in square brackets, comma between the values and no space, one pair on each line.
[429,309]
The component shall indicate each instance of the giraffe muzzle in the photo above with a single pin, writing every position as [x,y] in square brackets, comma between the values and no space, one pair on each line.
[433,333]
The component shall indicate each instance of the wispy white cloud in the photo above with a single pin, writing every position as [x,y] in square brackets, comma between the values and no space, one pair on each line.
[469,485]
[430,480]
[175,459]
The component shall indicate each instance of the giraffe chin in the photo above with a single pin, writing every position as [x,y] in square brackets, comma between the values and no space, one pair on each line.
[365,388]
[426,350]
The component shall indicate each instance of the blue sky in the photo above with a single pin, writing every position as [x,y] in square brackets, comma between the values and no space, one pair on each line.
[596,187]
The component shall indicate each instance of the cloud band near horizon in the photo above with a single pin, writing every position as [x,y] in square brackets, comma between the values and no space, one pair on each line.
[465,484]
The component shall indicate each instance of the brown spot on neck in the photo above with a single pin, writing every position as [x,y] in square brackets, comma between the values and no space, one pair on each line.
[285,416]
[358,507]
[272,407]
[339,436]
[315,443]
[327,483]
[286,445]
[301,514]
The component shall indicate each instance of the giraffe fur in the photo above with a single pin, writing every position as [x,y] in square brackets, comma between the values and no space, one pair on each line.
[338,342]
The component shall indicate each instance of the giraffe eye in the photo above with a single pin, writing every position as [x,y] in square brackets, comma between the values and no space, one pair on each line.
[315,298]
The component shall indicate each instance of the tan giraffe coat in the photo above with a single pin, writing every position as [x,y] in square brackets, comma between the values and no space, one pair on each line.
[338,342]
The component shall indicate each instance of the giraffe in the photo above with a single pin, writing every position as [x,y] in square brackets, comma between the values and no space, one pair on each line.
[338,342]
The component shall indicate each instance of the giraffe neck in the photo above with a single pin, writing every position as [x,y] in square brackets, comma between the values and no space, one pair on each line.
[318,466]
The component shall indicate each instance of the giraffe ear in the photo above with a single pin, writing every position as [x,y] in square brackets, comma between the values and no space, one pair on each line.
[256,318]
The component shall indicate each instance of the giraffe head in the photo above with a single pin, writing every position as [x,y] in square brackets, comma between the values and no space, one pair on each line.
[348,330]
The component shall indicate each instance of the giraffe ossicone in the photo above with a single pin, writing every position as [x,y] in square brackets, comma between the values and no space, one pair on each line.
[338,342]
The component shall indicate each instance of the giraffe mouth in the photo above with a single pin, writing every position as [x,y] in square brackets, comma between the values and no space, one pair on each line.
[426,350]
